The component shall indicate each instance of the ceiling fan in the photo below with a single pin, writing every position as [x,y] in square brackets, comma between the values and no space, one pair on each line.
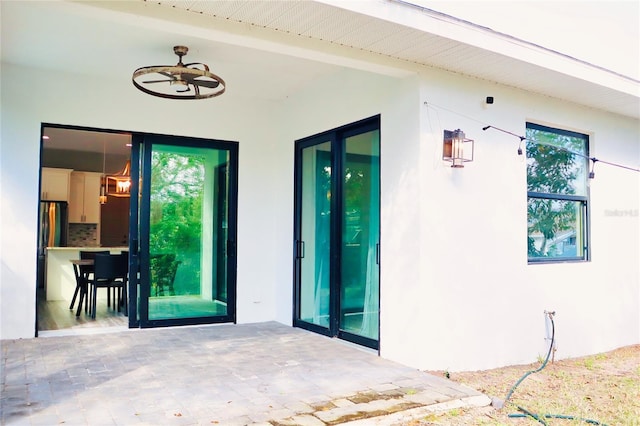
[180,81]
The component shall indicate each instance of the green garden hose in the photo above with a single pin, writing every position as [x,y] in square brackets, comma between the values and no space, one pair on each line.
[544,364]
[554,416]
[540,417]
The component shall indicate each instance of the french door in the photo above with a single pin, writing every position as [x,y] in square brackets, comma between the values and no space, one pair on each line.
[337,232]
[184,194]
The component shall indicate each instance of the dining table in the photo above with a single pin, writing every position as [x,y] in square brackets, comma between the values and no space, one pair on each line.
[82,268]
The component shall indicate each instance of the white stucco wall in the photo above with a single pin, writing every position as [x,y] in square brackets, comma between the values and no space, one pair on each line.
[109,104]
[481,305]
[456,289]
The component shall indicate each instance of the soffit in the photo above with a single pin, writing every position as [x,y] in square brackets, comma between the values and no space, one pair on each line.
[419,41]
[290,44]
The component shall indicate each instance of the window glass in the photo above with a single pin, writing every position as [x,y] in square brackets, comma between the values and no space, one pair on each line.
[557,190]
[188,232]
[556,162]
[555,228]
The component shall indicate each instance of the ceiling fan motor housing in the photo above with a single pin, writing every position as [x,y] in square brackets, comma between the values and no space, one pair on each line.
[180,51]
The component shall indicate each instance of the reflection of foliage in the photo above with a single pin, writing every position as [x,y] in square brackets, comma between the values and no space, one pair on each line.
[176,202]
[355,181]
[552,168]
[325,186]
[177,183]
[546,219]
[176,175]
[356,201]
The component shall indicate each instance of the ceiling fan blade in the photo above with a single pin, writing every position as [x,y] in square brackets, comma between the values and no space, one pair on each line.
[210,84]
[158,81]
[196,64]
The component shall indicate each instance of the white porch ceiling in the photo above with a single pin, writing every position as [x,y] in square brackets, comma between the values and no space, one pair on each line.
[411,35]
[271,49]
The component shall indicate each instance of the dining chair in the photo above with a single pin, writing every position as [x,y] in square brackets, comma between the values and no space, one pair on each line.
[110,271]
[82,273]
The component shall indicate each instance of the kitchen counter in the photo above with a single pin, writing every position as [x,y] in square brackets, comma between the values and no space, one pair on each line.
[60,280]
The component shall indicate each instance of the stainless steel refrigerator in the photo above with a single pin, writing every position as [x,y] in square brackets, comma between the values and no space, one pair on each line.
[54,231]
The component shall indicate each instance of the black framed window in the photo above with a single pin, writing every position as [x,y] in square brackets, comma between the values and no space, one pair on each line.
[557,194]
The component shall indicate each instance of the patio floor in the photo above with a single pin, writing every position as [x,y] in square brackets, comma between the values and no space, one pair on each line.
[264,374]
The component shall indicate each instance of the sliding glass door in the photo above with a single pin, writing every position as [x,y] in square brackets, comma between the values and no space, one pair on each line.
[359,277]
[186,231]
[314,242]
[337,232]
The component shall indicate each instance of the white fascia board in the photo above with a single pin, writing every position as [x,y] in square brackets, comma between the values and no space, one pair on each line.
[445,26]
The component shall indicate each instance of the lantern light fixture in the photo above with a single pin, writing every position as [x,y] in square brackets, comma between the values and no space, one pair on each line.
[456,148]
[119,185]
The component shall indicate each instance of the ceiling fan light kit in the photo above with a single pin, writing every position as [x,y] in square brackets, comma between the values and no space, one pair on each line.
[180,81]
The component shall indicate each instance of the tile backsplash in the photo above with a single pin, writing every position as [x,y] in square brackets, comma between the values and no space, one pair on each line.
[83,235]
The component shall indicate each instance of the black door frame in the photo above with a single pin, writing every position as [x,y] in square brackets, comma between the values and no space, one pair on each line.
[335,137]
[139,246]
[136,261]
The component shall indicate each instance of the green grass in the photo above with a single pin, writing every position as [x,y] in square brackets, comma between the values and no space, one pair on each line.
[603,387]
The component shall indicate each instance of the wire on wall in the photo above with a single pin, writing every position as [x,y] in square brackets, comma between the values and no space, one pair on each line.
[487,126]
[594,160]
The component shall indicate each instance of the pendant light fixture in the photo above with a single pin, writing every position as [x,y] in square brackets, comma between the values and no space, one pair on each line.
[119,185]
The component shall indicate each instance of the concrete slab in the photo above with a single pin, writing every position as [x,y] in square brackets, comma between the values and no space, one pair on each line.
[259,374]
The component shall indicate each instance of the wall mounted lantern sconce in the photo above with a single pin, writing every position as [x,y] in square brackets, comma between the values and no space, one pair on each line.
[457,149]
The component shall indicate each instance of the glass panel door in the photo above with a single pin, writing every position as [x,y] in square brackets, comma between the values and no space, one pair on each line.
[187,231]
[359,290]
[313,241]
[337,232]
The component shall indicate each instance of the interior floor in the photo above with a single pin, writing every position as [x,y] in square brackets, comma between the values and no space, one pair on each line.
[56,315]
[184,307]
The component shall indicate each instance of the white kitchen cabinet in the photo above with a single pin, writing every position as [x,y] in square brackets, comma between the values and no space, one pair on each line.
[84,197]
[55,184]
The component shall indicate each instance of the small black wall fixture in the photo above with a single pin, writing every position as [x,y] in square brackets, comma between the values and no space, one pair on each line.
[456,148]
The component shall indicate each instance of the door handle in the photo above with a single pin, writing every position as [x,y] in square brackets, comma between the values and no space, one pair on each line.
[377,253]
[300,249]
